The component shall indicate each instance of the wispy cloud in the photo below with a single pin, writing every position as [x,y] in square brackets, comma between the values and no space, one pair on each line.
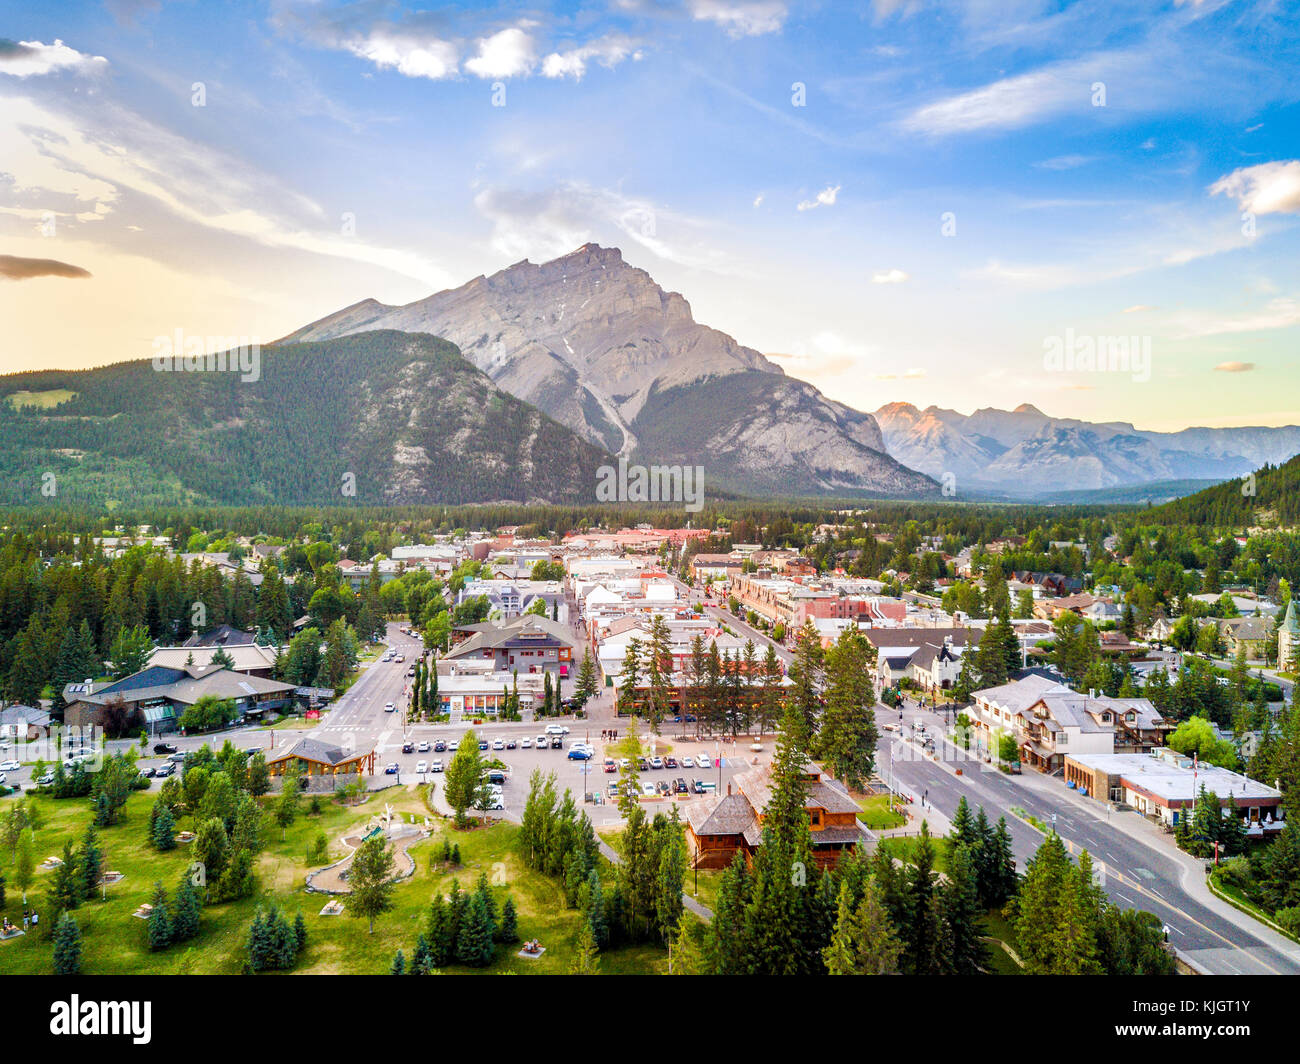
[741,18]
[825,198]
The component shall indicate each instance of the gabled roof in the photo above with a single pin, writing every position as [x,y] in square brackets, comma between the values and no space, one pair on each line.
[321,753]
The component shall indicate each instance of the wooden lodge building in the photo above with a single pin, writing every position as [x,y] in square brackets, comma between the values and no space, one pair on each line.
[315,758]
[733,823]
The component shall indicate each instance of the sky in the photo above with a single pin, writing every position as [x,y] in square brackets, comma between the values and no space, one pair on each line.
[898,200]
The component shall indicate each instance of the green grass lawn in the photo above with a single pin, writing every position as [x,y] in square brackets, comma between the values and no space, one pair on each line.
[115,942]
[877,813]
[41,400]
[903,848]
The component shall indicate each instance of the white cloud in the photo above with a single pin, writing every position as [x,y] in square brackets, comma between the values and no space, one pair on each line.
[1064,162]
[1234,367]
[741,18]
[546,223]
[894,276]
[23,59]
[1269,188]
[758,200]
[608,51]
[825,198]
[510,53]
[413,56]
[1281,313]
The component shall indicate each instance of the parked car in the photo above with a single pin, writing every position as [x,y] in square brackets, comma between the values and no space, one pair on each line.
[177,758]
[648,790]
[422,767]
[495,775]
[392,769]
[163,748]
[48,778]
[164,770]
[642,764]
[698,786]
[670,762]
[557,742]
[499,744]
[422,746]
[704,761]
[679,785]
[543,742]
[148,772]
[436,765]
[613,788]
[10,766]
[656,762]
[453,746]
[609,765]
[525,743]
[408,748]
[511,744]
[688,762]
[439,746]
[482,744]
[579,752]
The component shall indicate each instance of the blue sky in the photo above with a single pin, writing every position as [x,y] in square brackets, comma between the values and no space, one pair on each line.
[897,200]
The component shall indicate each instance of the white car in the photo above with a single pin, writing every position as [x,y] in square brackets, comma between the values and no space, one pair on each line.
[436,765]
[422,746]
[499,744]
[453,746]
[555,729]
[525,743]
[389,708]
[704,761]
[10,766]
[688,762]
[543,742]
[422,767]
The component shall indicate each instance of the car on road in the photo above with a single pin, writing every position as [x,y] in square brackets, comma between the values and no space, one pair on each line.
[392,769]
[10,766]
[688,762]
[499,744]
[408,748]
[439,746]
[609,765]
[400,657]
[525,743]
[410,671]
[556,729]
[163,748]
[436,765]
[423,746]
[422,767]
[390,708]
[670,762]
[656,762]
[704,761]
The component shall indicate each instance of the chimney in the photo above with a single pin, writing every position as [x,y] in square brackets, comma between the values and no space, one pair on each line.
[728,788]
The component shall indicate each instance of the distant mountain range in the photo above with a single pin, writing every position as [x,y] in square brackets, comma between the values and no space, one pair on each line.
[1024,453]
[596,344]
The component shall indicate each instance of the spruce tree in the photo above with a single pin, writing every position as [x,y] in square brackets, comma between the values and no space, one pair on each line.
[508,932]
[186,911]
[160,922]
[67,946]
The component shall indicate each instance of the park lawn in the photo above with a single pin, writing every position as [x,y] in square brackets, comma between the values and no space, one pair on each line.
[877,813]
[115,942]
[903,848]
[997,927]
[709,881]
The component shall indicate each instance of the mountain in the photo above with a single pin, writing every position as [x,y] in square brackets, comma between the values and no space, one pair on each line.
[1270,496]
[595,343]
[402,417]
[1026,453]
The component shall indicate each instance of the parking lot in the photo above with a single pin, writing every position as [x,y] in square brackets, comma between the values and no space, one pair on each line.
[516,747]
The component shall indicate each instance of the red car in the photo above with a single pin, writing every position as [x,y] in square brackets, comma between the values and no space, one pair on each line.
[609,765]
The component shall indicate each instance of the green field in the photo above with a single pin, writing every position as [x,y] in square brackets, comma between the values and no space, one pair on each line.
[41,400]
[115,942]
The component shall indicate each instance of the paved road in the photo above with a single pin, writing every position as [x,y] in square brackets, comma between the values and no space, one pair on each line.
[1138,873]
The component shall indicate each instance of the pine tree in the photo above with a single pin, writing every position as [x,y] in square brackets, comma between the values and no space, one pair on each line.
[508,932]
[961,911]
[69,885]
[186,912]
[923,933]
[160,923]
[474,942]
[587,960]
[92,862]
[399,964]
[67,946]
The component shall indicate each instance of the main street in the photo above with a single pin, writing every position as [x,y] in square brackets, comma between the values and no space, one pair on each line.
[1139,868]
